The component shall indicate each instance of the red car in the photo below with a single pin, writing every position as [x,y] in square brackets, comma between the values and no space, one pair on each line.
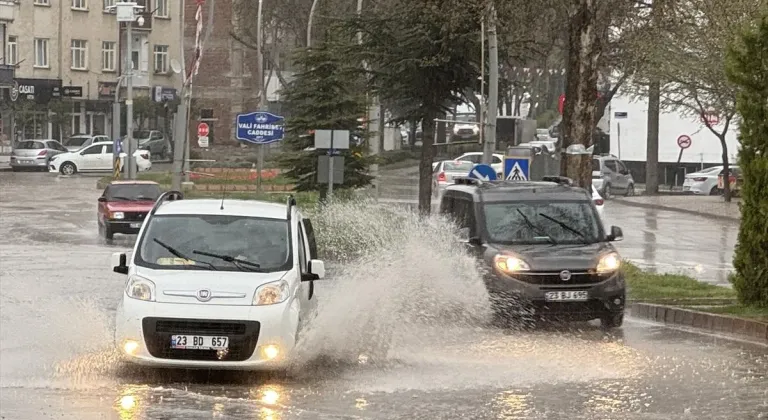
[124,205]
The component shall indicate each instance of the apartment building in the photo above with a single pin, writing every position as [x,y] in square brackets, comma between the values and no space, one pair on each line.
[69,54]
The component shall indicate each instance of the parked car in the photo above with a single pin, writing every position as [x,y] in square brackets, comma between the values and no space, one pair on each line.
[124,205]
[599,202]
[610,175]
[153,140]
[444,173]
[81,141]
[735,178]
[97,157]
[35,154]
[704,181]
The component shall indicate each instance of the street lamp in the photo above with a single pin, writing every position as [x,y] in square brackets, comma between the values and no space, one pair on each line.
[126,12]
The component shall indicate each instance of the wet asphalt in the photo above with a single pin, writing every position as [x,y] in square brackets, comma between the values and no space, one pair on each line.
[58,295]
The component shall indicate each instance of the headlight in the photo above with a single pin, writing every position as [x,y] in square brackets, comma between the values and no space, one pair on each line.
[140,288]
[117,215]
[455,129]
[272,293]
[609,263]
[475,129]
[53,158]
[510,264]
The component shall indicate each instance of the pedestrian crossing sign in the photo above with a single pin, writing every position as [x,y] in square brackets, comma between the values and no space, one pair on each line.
[517,169]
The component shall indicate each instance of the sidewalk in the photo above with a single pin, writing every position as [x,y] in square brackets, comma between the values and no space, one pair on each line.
[706,206]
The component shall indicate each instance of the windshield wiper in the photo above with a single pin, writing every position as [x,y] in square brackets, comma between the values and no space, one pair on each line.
[120,198]
[564,226]
[239,263]
[178,254]
[535,228]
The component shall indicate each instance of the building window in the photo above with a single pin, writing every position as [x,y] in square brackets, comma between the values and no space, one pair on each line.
[161,59]
[108,52]
[12,55]
[80,4]
[161,7]
[108,4]
[79,54]
[42,2]
[41,52]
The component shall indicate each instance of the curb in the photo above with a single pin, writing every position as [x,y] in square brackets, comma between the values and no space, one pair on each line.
[629,203]
[722,324]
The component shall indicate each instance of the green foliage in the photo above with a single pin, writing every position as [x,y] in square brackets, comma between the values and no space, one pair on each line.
[423,54]
[326,94]
[547,118]
[746,69]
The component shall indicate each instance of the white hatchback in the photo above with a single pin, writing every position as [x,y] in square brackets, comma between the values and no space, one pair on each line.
[217,284]
[97,157]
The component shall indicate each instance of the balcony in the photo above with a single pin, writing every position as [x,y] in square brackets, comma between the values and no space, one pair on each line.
[144,17]
[8,10]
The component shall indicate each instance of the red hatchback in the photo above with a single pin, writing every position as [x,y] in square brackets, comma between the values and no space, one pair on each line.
[124,205]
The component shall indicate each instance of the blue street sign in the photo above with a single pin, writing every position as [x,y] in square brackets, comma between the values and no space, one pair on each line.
[117,146]
[483,172]
[517,169]
[260,127]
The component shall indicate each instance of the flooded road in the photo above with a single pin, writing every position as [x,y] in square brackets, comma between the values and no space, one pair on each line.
[58,296]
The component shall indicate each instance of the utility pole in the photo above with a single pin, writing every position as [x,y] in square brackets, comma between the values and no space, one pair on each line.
[262,89]
[493,87]
[129,159]
[482,81]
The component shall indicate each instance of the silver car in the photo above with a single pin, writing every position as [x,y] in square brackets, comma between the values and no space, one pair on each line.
[82,141]
[610,176]
[35,154]
[445,171]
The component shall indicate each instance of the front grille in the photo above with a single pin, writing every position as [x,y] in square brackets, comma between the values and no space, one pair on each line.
[544,278]
[135,215]
[466,131]
[243,336]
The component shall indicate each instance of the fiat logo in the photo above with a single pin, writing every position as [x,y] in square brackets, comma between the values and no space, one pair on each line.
[565,275]
[203,295]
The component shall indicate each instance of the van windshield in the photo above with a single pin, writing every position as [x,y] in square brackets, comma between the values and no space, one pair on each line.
[261,241]
[536,222]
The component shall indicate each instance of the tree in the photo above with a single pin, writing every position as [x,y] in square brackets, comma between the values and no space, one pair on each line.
[746,70]
[421,57]
[691,71]
[60,117]
[587,33]
[326,94]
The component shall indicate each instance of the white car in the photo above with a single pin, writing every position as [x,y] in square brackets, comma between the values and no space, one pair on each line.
[217,284]
[97,157]
[704,181]
[599,202]
[497,161]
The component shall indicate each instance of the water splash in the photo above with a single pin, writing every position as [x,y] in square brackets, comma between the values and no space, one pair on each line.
[397,275]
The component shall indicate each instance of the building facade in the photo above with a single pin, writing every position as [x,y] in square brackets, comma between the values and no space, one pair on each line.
[68,57]
[227,80]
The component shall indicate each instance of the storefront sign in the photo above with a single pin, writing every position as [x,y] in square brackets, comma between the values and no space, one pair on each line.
[107,90]
[72,92]
[162,94]
[38,90]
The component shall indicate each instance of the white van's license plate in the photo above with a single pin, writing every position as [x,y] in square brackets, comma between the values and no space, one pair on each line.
[567,296]
[199,342]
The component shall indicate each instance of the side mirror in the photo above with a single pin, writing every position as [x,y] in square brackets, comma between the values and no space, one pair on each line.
[120,263]
[316,271]
[616,234]
[102,199]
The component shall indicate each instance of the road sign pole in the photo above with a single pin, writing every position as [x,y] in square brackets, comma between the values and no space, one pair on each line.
[259,166]
[330,169]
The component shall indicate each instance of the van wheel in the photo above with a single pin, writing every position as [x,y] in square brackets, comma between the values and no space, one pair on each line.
[611,321]
[630,190]
[607,191]
[68,168]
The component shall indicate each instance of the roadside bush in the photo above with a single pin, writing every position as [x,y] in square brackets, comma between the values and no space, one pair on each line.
[746,70]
